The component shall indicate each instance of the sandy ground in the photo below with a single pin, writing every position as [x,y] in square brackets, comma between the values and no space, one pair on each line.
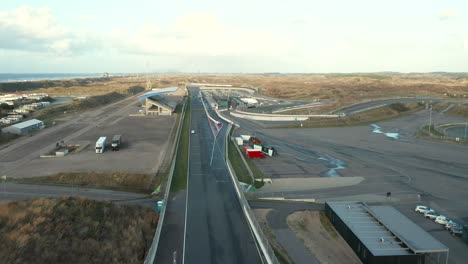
[261,215]
[328,247]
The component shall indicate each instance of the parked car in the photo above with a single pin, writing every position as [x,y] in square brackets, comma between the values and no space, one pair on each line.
[457,231]
[422,209]
[450,224]
[442,220]
[431,214]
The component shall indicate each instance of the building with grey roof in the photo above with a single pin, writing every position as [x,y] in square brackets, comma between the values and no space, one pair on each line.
[159,105]
[25,127]
[381,234]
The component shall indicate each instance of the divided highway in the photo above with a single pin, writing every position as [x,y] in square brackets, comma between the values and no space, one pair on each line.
[216,229]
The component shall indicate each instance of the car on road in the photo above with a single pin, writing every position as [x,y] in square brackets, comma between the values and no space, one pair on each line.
[193,131]
[422,209]
[457,231]
[441,220]
[450,224]
[431,214]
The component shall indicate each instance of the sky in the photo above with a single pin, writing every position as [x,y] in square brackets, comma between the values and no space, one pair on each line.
[216,36]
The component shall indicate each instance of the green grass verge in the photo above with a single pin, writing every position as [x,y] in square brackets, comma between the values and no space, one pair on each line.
[437,136]
[435,132]
[237,164]
[179,179]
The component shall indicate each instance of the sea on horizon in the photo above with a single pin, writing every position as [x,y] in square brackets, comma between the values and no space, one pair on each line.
[20,77]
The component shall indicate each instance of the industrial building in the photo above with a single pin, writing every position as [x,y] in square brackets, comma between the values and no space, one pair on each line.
[25,127]
[382,235]
[155,104]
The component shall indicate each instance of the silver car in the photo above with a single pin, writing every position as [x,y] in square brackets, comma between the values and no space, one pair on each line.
[422,209]
[431,214]
[450,224]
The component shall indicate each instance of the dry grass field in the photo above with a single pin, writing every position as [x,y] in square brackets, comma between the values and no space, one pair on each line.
[74,230]
[132,182]
[342,88]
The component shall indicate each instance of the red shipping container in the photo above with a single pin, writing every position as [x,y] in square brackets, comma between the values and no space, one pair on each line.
[255,154]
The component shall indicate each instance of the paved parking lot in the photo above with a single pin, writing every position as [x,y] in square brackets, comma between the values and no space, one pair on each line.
[458,249]
[144,143]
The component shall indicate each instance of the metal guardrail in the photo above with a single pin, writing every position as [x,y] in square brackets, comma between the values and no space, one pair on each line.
[256,229]
[154,246]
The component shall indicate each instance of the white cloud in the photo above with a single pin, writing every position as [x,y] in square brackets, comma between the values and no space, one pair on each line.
[88,18]
[299,20]
[33,29]
[197,34]
[449,14]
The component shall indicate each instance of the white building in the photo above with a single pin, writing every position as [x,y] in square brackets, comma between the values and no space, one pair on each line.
[24,127]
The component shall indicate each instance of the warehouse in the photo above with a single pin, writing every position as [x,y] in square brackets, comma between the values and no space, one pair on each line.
[381,234]
[25,127]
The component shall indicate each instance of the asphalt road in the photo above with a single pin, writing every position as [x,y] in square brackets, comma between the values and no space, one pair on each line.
[216,229]
[360,107]
[18,192]
[277,220]
[171,241]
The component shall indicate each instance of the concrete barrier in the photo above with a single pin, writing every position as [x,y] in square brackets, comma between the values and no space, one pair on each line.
[262,240]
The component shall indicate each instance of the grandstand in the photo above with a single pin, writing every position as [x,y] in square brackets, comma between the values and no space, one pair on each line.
[155,104]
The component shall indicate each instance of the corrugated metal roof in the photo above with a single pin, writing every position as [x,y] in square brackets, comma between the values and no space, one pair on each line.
[369,230]
[384,230]
[28,123]
[414,236]
[163,101]
[157,92]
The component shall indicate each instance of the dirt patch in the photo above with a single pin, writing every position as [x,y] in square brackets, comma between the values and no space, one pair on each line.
[261,215]
[74,230]
[321,238]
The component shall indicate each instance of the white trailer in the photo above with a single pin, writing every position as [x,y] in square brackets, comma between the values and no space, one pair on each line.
[101,144]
